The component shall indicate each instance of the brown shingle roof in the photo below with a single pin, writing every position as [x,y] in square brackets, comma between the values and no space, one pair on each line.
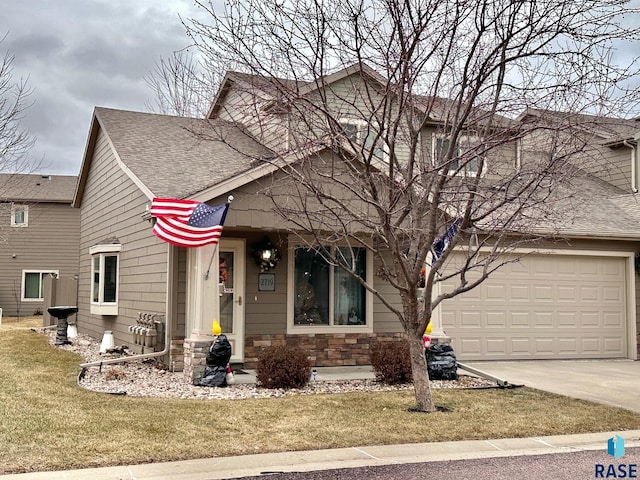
[37,188]
[175,156]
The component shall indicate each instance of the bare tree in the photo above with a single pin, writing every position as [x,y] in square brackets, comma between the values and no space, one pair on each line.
[402,129]
[15,140]
[183,85]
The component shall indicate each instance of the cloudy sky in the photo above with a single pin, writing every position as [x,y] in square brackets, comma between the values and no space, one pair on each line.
[78,54]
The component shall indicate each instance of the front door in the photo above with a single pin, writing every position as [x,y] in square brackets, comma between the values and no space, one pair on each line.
[231,273]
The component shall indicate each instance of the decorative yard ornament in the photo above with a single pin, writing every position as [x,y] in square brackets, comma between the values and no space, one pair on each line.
[215,328]
[426,337]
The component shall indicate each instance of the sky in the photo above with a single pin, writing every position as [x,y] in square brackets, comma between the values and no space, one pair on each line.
[78,54]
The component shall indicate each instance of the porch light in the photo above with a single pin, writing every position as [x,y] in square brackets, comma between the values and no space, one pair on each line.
[265,254]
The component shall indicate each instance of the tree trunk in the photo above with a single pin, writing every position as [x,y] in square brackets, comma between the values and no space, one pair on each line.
[421,384]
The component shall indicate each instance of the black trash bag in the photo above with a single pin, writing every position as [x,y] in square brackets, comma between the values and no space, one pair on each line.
[214,377]
[441,362]
[219,352]
[218,356]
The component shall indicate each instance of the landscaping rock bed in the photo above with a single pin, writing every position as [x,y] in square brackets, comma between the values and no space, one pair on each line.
[146,378]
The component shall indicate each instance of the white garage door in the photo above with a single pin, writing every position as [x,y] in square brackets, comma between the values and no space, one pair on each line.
[544,306]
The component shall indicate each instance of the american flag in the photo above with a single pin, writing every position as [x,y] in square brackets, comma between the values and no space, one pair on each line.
[187,223]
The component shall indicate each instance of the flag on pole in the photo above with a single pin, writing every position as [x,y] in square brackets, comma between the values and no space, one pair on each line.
[187,223]
[443,241]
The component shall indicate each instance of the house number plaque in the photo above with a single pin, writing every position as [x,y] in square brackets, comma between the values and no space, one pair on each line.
[266,282]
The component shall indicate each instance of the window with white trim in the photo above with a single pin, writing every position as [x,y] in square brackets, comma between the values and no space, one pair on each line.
[440,147]
[19,215]
[326,296]
[105,278]
[32,284]
[361,133]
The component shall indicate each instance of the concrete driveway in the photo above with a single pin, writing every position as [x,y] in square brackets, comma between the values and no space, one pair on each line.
[612,382]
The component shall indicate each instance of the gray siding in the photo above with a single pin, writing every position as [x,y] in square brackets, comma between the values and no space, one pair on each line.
[266,312]
[241,104]
[49,242]
[112,206]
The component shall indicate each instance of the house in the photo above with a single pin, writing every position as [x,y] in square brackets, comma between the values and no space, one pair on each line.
[39,237]
[569,299]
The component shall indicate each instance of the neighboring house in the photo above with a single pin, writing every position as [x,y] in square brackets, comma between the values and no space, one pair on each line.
[576,299]
[39,237]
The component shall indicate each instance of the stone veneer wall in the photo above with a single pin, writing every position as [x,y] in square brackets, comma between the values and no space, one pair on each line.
[176,355]
[325,350]
[195,358]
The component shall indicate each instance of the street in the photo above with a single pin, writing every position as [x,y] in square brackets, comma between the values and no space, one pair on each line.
[574,465]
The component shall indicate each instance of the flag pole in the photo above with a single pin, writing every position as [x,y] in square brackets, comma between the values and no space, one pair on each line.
[215,248]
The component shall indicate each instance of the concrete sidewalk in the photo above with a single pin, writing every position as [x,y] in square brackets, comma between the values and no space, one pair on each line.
[253,465]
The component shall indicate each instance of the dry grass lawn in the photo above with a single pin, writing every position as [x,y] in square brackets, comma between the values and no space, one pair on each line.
[49,423]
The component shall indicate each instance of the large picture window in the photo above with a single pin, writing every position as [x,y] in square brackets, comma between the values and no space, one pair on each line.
[326,295]
[105,260]
[32,284]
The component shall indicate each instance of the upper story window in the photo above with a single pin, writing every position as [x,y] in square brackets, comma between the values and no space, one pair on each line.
[326,298]
[359,132]
[105,284]
[19,215]
[469,166]
[33,284]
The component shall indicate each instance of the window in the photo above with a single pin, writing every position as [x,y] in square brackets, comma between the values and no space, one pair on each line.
[358,131]
[19,215]
[33,284]
[441,146]
[328,296]
[105,263]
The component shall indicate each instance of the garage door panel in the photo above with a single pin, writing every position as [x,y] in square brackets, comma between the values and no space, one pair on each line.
[613,345]
[567,345]
[520,346]
[613,320]
[520,319]
[544,306]
[496,346]
[568,320]
[496,319]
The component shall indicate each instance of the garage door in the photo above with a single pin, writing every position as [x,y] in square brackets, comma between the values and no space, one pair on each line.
[543,306]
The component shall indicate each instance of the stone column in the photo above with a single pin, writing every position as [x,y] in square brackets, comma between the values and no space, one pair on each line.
[195,353]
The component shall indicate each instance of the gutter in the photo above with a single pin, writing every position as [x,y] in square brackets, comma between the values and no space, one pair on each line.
[167,328]
[501,383]
[634,173]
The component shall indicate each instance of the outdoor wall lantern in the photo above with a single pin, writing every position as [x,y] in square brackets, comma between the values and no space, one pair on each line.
[265,254]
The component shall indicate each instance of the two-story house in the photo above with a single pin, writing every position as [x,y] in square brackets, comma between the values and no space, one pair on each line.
[574,299]
[39,237]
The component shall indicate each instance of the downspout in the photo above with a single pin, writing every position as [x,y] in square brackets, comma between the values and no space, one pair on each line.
[168,320]
[634,166]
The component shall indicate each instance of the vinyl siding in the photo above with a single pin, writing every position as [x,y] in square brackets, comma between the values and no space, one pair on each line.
[111,207]
[243,107]
[49,242]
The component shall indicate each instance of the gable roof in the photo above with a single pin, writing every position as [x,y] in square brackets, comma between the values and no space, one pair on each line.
[596,209]
[170,156]
[16,187]
[610,130]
